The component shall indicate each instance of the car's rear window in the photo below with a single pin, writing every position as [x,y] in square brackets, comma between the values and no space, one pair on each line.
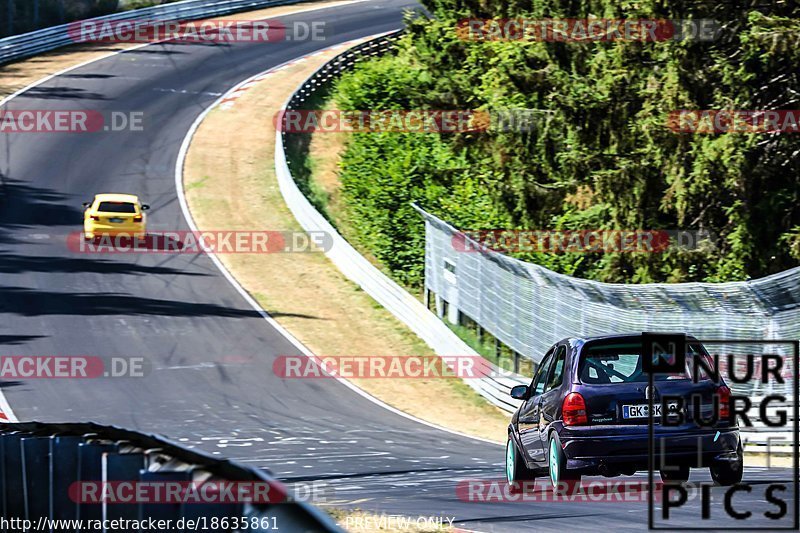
[116,207]
[622,363]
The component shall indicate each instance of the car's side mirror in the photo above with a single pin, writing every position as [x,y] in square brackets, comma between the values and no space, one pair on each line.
[86,205]
[520,392]
[145,207]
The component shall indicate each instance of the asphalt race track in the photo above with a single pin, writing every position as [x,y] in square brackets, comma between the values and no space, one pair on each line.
[211,383]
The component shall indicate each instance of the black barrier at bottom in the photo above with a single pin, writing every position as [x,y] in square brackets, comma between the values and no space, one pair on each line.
[62,471]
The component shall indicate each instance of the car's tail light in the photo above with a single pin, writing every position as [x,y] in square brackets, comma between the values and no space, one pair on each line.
[137,218]
[724,396]
[573,410]
[95,217]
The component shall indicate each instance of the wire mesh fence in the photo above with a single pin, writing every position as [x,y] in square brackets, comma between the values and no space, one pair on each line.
[528,307]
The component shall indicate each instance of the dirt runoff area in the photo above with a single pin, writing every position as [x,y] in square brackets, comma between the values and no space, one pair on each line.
[230,183]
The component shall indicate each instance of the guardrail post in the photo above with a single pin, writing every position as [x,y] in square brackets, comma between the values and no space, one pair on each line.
[35,474]
[516,362]
[63,473]
[12,475]
[90,469]
[122,467]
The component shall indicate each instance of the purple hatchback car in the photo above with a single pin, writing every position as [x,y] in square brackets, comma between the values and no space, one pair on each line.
[586,412]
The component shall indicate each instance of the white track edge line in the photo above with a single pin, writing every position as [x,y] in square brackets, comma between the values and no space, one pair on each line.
[283,331]
[5,407]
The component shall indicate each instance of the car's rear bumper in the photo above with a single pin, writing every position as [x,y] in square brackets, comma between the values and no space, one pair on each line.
[132,229]
[693,447]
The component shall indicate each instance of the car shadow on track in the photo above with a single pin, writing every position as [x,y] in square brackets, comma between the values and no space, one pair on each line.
[30,302]
[88,76]
[16,264]
[22,204]
[62,93]
[14,340]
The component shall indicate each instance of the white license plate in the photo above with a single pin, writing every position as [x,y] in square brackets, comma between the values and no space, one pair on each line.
[116,220]
[642,410]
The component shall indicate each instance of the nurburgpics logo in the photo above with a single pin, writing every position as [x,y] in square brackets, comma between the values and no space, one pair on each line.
[663,353]
[745,389]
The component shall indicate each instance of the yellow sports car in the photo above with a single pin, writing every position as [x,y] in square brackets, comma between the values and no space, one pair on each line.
[114,214]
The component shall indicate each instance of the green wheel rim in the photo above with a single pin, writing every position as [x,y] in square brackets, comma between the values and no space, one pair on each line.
[553,462]
[510,461]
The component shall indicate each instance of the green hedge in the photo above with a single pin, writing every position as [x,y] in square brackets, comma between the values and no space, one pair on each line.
[601,156]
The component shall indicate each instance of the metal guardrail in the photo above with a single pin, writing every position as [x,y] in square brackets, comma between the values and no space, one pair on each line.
[42,466]
[342,63]
[29,44]
[354,266]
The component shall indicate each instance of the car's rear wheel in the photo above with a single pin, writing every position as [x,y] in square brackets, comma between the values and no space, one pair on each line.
[516,469]
[562,480]
[676,474]
[728,473]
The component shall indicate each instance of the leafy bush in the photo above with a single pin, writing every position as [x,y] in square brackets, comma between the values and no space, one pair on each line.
[601,155]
